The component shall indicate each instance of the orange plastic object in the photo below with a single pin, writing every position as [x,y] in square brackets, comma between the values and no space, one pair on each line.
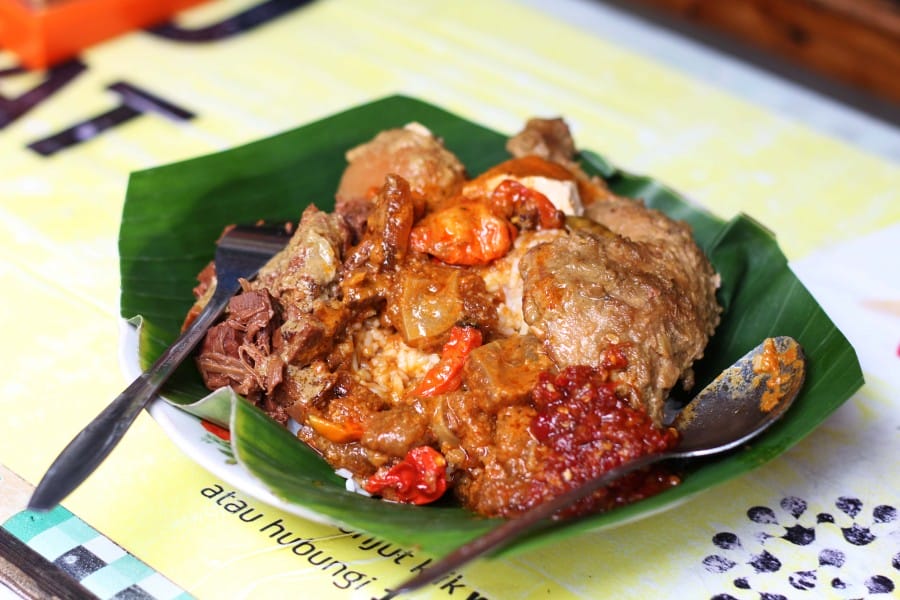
[45,32]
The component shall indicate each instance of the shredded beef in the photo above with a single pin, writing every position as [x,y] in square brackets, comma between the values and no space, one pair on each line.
[282,317]
[238,351]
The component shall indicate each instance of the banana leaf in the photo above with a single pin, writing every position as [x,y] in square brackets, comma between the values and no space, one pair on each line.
[173,215]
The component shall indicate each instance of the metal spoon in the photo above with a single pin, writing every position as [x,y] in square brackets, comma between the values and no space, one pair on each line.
[742,402]
[240,253]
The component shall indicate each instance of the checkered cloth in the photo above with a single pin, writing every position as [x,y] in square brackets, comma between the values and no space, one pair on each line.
[100,565]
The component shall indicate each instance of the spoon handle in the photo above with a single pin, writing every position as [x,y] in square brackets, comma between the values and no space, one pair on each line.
[94,443]
[513,528]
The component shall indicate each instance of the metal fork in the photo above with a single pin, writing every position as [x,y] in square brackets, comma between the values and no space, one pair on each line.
[240,253]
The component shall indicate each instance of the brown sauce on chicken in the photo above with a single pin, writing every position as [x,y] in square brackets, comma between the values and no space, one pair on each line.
[507,337]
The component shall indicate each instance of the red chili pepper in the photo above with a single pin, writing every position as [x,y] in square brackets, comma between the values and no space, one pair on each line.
[468,233]
[420,478]
[446,376]
[217,431]
[512,197]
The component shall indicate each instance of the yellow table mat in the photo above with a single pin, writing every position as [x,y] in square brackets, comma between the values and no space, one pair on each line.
[494,62]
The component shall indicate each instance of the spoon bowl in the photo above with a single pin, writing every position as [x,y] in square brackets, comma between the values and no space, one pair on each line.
[737,406]
[743,401]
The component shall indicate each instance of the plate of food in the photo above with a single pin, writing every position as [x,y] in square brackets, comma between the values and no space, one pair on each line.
[464,324]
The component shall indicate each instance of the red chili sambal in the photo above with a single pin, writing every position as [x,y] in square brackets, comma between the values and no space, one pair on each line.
[588,430]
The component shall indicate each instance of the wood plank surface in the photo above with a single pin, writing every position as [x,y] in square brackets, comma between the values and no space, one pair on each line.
[853,41]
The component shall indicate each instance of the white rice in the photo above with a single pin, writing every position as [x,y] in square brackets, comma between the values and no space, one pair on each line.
[351,485]
[384,363]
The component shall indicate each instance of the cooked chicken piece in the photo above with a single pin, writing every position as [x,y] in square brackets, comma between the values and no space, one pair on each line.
[653,296]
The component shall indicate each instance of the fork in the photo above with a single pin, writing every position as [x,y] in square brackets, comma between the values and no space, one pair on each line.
[240,253]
